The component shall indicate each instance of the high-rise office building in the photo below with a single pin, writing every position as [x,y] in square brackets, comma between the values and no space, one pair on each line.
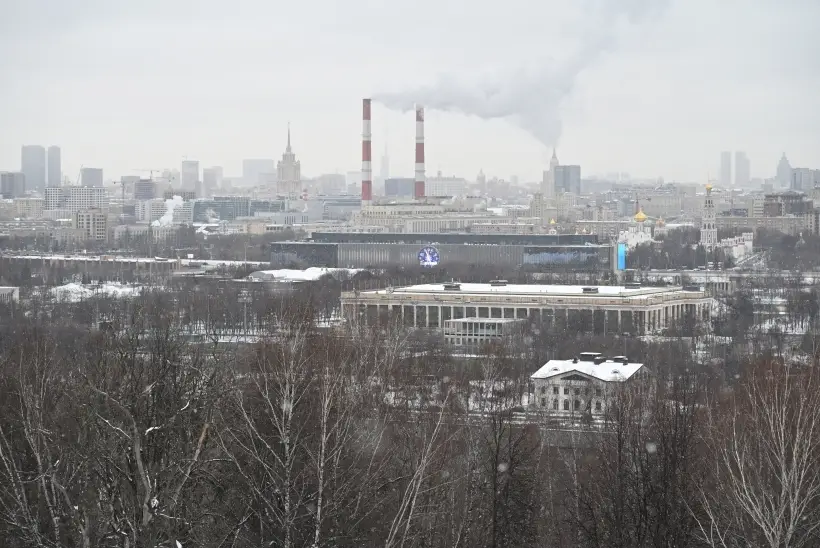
[784,171]
[33,166]
[211,180]
[254,168]
[55,169]
[145,189]
[91,176]
[743,169]
[725,169]
[12,184]
[567,179]
[802,179]
[189,175]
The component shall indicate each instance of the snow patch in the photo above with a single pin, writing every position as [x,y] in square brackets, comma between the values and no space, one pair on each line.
[74,292]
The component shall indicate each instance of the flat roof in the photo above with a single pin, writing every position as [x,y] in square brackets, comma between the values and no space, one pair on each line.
[530,289]
[120,258]
[428,238]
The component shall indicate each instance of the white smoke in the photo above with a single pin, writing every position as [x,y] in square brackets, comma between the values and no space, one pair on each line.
[170,205]
[530,96]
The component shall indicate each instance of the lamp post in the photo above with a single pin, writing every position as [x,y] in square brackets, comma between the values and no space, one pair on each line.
[245,298]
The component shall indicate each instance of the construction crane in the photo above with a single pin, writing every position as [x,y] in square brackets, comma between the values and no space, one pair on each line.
[150,172]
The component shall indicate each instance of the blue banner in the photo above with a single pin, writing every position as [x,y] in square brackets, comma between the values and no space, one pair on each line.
[621,256]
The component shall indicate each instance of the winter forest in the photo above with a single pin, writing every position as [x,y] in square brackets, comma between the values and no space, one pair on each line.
[135,435]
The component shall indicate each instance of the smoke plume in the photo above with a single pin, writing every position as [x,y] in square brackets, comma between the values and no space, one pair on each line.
[168,218]
[531,96]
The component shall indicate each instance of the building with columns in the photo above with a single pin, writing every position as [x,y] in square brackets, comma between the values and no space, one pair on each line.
[599,309]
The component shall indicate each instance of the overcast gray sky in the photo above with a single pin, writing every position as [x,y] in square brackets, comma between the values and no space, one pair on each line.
[123,85]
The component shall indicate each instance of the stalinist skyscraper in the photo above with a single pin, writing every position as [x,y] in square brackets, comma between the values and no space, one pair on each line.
[289,173]
[548,181]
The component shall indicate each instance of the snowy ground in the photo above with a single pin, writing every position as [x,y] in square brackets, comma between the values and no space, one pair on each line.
[74,292]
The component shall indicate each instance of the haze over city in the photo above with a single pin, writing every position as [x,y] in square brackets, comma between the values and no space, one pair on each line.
[650,88]
[455,274]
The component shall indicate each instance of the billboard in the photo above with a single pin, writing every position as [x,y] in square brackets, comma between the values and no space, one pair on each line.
[621,256]
[561,256]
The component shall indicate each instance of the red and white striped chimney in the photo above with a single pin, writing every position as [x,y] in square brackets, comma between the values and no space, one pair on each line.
[367,169]
[419,187]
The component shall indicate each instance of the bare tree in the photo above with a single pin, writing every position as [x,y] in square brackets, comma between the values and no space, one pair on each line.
[764,486]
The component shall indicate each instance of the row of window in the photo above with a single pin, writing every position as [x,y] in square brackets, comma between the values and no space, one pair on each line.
[576,404]
[475,339]
[576,391]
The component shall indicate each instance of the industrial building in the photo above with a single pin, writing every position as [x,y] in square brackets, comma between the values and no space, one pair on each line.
[426,211]
[543,252]
[599,309]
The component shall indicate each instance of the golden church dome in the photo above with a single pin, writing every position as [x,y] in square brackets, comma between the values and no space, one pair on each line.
[640,216]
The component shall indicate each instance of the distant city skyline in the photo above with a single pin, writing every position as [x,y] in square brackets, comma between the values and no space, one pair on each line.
[666,96]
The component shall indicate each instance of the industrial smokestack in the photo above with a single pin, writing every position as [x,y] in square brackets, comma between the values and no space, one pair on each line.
[419,187]
[367,170]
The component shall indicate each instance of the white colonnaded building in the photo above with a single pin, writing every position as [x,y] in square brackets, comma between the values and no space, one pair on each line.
[629,308]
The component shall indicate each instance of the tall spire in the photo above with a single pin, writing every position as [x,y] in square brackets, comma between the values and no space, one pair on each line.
[554,160]
[288,149]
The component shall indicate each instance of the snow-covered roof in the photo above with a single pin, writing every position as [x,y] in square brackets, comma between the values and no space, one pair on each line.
[309,274]
[607,371]
[129,259]
[536,289]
